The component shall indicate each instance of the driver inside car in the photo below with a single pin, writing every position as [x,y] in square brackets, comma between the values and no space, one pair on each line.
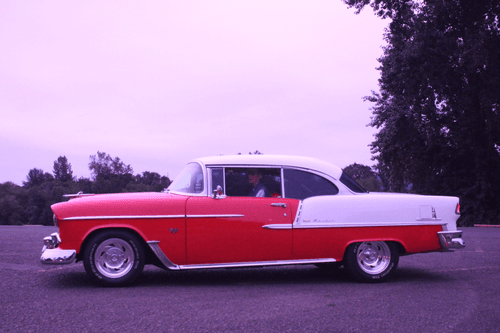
[258,190]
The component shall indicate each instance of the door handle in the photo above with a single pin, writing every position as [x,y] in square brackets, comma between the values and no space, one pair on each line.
[278,204]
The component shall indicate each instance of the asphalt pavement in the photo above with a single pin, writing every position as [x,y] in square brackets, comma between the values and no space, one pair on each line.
[433,292]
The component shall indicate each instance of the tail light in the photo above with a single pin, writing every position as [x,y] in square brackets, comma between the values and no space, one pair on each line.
[457,210]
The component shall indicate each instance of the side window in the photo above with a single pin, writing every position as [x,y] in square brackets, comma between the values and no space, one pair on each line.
[301,184]
[217,178]
[253,182]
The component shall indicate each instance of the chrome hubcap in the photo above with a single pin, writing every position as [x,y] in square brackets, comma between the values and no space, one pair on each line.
[114,258]
[373,257]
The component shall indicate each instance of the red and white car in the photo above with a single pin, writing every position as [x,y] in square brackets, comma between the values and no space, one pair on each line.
[250,210]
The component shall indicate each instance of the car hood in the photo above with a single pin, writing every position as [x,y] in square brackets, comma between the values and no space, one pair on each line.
[121,204]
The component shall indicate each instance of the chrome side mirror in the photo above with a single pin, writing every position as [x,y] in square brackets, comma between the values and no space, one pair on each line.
[217,194]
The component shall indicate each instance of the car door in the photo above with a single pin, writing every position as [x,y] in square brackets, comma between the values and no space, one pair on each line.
[316,240]
[231,229]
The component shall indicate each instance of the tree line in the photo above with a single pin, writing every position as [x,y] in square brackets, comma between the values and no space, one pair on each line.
[30,203]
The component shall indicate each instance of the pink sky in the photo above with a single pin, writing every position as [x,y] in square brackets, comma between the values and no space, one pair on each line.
[158,83]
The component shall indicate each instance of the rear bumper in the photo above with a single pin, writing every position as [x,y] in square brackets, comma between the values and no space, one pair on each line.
[52,255]
[451,240]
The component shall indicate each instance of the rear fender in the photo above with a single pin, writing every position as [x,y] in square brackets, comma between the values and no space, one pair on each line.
[398,242]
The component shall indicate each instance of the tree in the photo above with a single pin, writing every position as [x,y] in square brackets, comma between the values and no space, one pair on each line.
[31,203]
[149,181]
[13,201]
[149,178]
[36,177]
[438,108]
[62,169]
[41,190]
[103,165]
[254,153]
[110,174]
[84,185]
[364,176]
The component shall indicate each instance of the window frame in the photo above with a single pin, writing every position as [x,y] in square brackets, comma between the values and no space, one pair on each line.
[241,166]
[210,178]
[210,168]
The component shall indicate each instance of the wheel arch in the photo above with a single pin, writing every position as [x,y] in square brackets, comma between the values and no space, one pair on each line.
[397,242]
[150,256]
[375,262]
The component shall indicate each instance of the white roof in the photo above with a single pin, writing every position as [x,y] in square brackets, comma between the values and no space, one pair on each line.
[273,160]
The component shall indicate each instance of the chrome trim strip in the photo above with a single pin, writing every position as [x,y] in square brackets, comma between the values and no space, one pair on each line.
[123,217]
[161,256]
[307,225]
[259,263]
[277,226]
[170,265]
[297,214]
[214,215]
[202,194]
[132,217]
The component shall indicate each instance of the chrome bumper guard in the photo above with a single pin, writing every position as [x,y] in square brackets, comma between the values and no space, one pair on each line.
[52,255]
[451,240]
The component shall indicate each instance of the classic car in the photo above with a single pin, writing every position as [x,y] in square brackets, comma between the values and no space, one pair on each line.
[250,210]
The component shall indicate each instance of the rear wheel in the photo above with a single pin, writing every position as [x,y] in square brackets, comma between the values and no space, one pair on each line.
[371,261]
[114,258]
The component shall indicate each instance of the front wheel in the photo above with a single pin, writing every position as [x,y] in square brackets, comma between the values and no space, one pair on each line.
[371,261]
[114,258]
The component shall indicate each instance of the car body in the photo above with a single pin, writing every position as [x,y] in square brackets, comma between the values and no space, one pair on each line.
[250,210]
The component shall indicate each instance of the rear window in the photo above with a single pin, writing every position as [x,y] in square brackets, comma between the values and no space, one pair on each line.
[351,183]
[302,184]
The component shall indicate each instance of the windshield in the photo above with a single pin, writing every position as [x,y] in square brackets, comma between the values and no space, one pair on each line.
[190,180]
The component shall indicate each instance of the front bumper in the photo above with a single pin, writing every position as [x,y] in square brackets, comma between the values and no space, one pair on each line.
[52,255]
[451,240]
